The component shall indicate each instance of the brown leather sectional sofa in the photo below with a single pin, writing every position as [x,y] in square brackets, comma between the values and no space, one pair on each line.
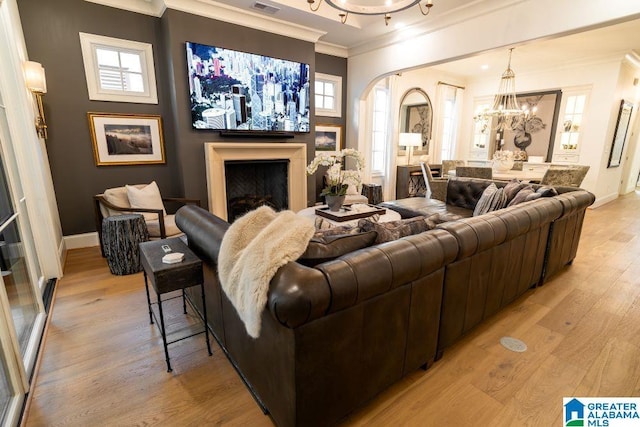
[335,335]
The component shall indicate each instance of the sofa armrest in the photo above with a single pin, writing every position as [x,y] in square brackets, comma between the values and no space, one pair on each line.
[298,294]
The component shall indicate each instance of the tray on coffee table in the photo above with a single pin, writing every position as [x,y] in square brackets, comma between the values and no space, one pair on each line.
[347,214]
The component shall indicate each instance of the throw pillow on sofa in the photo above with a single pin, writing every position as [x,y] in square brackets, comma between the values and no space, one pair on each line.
[326,245]
[393,230]
[492,198]
[546,191]
[512,188]
[522,195]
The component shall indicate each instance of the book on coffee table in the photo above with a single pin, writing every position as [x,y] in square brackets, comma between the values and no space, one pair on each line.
[350,212]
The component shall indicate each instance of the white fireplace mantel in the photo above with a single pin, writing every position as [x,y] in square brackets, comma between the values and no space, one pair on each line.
[216,153]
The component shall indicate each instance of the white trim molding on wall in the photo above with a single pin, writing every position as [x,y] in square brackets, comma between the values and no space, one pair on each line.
[85,240]
[324,81]
[91,43]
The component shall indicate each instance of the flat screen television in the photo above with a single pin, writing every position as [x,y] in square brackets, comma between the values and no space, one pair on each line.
[232,90]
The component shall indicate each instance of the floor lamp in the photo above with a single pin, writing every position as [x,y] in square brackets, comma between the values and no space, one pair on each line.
[410,140]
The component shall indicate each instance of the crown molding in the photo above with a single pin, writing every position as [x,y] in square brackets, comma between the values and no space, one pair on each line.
[221,12]
[448,19]
[146,7]
[332,49]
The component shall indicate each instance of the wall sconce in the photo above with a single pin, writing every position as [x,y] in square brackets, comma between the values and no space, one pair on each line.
[37,84]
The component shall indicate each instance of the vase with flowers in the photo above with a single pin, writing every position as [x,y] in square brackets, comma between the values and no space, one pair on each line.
[338,179]
[503,160]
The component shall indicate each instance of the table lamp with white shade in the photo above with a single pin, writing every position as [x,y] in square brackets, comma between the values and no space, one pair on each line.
[410,140]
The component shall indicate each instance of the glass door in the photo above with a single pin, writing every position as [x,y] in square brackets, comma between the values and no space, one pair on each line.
[21,311]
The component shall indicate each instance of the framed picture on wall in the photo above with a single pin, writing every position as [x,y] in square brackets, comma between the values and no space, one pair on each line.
[535,131]
[126,139]
[620,134]
[329,138]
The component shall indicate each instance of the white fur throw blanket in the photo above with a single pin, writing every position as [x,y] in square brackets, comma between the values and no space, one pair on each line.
[252,250]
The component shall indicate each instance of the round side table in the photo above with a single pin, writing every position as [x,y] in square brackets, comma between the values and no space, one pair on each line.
[121,235]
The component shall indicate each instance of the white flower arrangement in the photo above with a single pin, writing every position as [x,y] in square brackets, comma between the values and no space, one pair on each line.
[503,155]
[338,180]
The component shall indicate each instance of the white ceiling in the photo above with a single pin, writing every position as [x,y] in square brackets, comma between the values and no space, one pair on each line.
[612,42]
[361,33]
[360,29]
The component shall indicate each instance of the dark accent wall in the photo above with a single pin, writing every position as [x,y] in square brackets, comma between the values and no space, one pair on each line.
[51,33]
[179,28]
[337,66]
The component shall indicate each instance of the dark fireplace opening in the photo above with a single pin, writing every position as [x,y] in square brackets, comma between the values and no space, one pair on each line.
[254,183]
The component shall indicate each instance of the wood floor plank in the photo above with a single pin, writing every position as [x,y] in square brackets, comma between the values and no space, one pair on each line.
[585,343]
[538,402]
[566,315]
[103,364]
[615,371]
[511,369]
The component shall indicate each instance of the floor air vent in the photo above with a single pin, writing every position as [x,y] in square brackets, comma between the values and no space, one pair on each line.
[513,344]
[266,8]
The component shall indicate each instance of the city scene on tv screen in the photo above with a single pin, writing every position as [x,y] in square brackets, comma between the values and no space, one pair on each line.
[235,90]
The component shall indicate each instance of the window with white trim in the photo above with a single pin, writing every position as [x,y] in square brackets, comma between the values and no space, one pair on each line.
[118,70]
[379,132]
[328,95]
[449,121]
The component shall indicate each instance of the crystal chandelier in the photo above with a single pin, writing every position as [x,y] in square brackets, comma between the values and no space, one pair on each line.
[505,104]
[384,7]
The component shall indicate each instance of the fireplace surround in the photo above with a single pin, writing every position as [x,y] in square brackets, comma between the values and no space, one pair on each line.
[217,153]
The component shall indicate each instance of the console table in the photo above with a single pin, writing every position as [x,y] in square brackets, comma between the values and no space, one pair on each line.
[410,177]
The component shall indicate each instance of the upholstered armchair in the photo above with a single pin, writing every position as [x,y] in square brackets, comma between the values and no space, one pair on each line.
[436,187]
[474,172]
[144,199]
[448,165]
[565,175]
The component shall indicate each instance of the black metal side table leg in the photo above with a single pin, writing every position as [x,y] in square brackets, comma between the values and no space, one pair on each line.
[184,302]
[164,333]
[146,287]
[206,323]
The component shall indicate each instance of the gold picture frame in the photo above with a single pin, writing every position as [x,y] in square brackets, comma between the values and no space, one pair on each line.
[126,139]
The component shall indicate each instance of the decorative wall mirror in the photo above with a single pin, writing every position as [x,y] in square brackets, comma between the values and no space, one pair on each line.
[416,116]
[620,134]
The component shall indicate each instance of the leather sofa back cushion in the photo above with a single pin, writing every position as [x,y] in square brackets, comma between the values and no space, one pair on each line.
[465,192]
[327,246]
[393,230]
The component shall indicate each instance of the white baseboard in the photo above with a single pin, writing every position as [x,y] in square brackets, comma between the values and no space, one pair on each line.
[85,240]
[604,200]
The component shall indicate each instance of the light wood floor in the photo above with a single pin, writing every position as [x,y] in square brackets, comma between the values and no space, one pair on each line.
[103,363]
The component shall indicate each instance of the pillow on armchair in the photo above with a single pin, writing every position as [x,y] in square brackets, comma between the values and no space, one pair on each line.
[147,197]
